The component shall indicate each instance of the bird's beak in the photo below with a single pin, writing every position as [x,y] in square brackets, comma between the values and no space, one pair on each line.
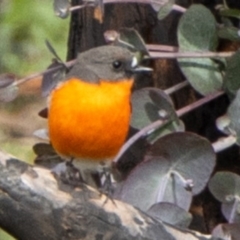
[135,67]
[142,69]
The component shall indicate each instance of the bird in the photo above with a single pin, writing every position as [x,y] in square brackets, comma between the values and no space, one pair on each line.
[89,111]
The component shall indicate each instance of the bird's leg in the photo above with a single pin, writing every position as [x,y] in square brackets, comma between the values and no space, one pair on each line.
[73,175]
[107,186]
[68,173]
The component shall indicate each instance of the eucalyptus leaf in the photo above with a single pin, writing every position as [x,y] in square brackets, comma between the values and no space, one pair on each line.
[157,4]
[170,213]
[231,210]
[203,74]
[151,182]
[222,123]
[231,12]
[227,22]
[226,231]
[165,9]
[197,32]
[146,106]
[51,79]
[231,79]
[8,93]
[233,113]
[43,148]
[131,38]
[176,167]
[225,187]
[229,33]
[42,134]
[150,105]
[52,50]
[61,8]
[7,79]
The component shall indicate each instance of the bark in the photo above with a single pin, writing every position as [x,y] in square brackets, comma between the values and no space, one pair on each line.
[36,205]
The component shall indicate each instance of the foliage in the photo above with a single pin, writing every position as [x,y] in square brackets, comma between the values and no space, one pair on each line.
[179,165]
[24,26]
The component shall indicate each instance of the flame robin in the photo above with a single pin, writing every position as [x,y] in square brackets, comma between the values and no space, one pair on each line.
[89,112]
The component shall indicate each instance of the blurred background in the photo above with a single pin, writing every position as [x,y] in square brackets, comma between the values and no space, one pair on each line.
[24,27]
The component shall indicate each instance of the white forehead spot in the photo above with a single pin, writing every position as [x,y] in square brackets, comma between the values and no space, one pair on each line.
[134,62]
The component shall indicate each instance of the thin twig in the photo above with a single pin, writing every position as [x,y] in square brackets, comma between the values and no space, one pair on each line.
[35,75]
[198,103]
[223,143]
[155,54]
[144,131]
[176,87]
[164,48]
[175,6]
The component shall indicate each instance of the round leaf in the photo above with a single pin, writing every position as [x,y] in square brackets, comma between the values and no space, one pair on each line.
[61,8]
[6,79]
[203,74]
[231,78]
[131,37]
[165,9]
[42,134]
[51,79]
[43,149]
[170,213]
[226,231]
[229,33]
[149,105]
[197,32]
[144,109]
[230,12]
[197,29]
[8,93]
[223,185]
[150,183]
[233,113]
[231,211]
[172,165]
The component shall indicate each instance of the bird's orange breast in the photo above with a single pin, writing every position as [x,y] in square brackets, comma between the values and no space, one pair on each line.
[88,120]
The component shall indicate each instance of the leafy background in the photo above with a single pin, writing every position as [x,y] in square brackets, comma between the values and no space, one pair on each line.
[24,27]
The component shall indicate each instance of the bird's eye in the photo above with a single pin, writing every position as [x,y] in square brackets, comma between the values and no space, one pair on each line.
[117,65]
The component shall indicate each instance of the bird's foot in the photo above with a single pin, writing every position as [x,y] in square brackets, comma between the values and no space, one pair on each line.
[68,174]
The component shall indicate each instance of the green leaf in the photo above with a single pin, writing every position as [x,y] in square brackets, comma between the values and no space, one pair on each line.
[51,79]
[197,32]
[146,110]
[233,113]
[226,231]
[7,79]
[52,50]
[225,187]
[61,8]
[203,74]
[176,167]
[231,79]
[129,37]
[229,33]
[165,9]
[170,213]
[8,93]
[150,105]
[231,12]
[222,123]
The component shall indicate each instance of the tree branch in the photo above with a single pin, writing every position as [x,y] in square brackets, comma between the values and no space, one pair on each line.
[34,205]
